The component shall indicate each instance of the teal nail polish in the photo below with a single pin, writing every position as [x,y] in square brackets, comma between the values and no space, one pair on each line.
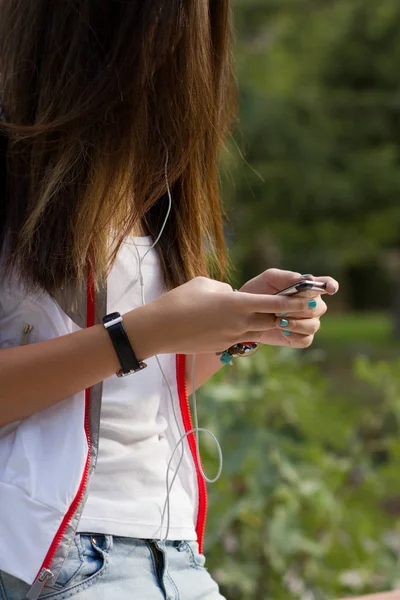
[282,314]
[312,304]
[284,323]
[287,333]
[307,275]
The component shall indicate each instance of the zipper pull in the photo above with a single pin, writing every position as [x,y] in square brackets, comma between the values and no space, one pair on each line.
[26,333]
[38,584]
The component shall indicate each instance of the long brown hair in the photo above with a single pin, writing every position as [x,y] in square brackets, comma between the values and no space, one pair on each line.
[96,95]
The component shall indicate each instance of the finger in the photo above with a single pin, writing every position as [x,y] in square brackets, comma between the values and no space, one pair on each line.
[281,279]
[304,326]
[277,338]
[315,310]
[311,294]
[265,303]
[296,340]
[332,286]
[258,322]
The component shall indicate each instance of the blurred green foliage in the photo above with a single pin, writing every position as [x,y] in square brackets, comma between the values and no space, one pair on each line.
[308,504]
[319,131]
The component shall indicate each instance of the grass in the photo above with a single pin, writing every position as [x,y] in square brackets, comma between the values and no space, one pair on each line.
[344,336]
[358,327]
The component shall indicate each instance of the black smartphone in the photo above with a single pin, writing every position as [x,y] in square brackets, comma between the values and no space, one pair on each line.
[303,286]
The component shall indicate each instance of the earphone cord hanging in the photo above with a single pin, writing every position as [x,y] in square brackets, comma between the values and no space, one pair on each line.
[196,429]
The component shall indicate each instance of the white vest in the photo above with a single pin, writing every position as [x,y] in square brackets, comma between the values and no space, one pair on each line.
[48,459]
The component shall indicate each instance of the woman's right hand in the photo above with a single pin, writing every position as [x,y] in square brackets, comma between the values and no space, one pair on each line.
[201,316]
[204,316]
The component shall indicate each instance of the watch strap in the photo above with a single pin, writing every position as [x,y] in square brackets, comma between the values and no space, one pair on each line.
[122,345]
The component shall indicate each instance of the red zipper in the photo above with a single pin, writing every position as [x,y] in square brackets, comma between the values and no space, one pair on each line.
[188,425]
[187,422]
[90,318]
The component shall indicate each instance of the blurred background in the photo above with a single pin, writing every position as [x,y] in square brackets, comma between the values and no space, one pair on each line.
[308,505]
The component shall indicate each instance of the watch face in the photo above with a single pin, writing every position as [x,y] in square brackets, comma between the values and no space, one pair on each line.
[111,317]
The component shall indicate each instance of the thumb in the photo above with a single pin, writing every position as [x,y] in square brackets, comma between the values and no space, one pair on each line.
[282,279]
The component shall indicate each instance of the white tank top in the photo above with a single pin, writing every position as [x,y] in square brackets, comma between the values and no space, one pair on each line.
[128,489]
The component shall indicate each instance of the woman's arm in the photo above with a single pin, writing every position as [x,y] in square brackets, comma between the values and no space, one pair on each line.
[35,376]
[195,317]
[206,365]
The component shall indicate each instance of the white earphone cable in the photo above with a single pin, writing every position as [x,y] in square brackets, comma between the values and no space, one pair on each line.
[196,429]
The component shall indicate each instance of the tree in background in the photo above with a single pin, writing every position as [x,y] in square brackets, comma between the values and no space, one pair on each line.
[308,504]
[320,127]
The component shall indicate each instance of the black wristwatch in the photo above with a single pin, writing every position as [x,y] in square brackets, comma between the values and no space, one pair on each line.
[126,356]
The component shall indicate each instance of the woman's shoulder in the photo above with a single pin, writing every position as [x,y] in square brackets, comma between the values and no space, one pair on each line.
[21,308]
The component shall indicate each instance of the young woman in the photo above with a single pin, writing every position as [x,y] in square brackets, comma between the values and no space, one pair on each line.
[113,116]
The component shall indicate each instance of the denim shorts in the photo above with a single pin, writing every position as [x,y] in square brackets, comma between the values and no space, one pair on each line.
[104,567]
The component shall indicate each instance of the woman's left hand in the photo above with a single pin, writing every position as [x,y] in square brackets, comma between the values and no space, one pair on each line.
[295,330]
